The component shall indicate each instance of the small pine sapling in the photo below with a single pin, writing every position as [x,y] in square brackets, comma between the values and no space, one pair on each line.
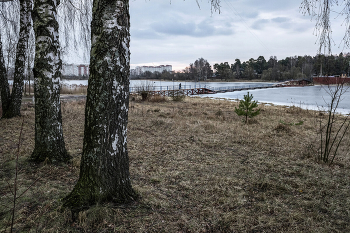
[247,107]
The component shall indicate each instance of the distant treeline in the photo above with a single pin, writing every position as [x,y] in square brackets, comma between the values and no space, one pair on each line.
[297,67]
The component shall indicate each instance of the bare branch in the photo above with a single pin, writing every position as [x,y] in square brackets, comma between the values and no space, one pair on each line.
[75,24]
[321,10]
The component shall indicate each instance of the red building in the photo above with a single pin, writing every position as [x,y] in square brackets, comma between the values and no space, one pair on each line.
[329,80]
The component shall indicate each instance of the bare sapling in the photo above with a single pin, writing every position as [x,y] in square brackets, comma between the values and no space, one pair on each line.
[333,129]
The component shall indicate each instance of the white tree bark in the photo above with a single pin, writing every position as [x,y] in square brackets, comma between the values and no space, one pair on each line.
[49,142]
[14,102]
[104,172]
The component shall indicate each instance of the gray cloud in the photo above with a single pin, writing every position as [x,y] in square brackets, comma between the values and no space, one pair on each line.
[260,24]
[249,14]
[280,19]
[204,28]
[174,27]
[144,34]
[303,28]
[280,22]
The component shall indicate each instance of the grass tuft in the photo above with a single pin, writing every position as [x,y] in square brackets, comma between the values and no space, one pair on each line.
[157,99]
[282,128]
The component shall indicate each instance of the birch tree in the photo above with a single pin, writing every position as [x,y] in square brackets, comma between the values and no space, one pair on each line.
[104,170]
[5,89]
[49,142]
[11,102]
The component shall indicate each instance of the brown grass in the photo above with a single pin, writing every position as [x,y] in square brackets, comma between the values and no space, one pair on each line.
[197,167]
[157,98]
[74,90]
[71,90]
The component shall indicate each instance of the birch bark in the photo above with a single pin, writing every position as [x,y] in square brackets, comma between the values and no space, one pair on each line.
[104,171]
[14,101]
[49,142]
[4,84]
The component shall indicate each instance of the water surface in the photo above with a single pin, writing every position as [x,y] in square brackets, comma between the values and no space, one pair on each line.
[308,97]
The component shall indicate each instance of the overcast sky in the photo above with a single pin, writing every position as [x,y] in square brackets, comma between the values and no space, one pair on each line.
[179,32]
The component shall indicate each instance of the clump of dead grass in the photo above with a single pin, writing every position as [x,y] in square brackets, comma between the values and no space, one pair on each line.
[282,128]
[157,98]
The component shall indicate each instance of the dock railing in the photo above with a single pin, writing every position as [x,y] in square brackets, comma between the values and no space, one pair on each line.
[164,88]
[214,89]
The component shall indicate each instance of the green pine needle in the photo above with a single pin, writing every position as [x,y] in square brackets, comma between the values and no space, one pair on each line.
[247,107]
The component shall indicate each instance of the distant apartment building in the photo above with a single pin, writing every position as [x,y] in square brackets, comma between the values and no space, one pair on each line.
[142,69]
[75,70]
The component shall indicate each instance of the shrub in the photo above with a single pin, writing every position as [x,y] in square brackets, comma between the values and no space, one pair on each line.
[157,99]
[144,90]
[178,96]
[144,95]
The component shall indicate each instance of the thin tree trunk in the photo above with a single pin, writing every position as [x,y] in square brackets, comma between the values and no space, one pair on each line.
[4,84]
[49,142]
[104,171]
[14,108]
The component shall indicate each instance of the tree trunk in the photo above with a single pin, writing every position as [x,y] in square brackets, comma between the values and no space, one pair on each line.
[4,84]
[14,108]
[104,170]
[49,142]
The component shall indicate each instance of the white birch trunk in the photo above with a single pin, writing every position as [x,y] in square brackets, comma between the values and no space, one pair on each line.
[104,172]
[14,108]
[49,142]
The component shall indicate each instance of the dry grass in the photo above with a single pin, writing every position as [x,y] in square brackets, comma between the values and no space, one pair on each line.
[157,98]
[198,168]
[74,90]
[65,89]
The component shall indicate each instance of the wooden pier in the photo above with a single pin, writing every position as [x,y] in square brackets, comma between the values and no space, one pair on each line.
[193,91]
[214,90]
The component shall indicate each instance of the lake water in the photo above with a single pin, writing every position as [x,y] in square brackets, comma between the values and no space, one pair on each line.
[308,97]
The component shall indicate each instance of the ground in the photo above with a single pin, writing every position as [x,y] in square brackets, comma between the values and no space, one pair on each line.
[197,168]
